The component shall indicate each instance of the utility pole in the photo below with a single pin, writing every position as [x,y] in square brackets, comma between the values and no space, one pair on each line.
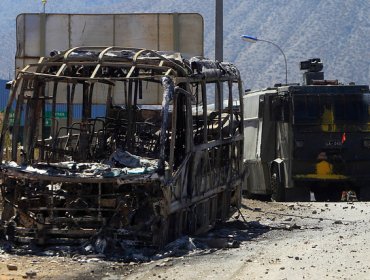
[219,31]
[219,45]
[44,5]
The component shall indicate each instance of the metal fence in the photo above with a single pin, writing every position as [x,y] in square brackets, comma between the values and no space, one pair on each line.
[4,95]
[61,109]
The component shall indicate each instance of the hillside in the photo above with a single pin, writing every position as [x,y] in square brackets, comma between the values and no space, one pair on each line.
[337,31]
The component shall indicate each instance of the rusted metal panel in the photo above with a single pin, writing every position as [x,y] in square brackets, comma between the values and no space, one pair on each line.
[144,174]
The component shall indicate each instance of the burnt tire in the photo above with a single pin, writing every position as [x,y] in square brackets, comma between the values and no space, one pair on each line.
[277,186]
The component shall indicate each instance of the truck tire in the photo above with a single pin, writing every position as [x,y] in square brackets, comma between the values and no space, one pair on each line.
[277,186]
[300,193]
[364,194]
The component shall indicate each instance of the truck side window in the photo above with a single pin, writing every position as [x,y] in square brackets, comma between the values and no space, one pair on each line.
[279,108]
[261,106]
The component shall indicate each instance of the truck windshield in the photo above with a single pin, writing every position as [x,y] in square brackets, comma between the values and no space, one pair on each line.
[330,109]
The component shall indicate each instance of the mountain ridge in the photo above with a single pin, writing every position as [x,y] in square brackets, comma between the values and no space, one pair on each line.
[336,31]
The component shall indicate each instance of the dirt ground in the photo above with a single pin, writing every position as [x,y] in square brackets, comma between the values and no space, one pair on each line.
[312,240]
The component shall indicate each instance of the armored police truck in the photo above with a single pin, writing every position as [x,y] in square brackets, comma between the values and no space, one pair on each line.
[308,138]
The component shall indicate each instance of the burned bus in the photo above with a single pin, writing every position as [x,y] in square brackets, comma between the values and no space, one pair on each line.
[308,138]
[122,142]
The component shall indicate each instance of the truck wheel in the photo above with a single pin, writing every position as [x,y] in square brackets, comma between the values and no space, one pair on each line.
[277,186]
[298,193]
[364,194]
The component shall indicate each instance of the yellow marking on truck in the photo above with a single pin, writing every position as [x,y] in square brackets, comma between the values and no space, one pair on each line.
[324,171]
[324,168]
[322,177]
[328,123]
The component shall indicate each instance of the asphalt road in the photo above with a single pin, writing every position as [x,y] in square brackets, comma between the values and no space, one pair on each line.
[276,241]
[301,241]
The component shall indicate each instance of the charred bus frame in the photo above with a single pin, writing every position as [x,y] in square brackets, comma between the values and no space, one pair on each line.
[160,162]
